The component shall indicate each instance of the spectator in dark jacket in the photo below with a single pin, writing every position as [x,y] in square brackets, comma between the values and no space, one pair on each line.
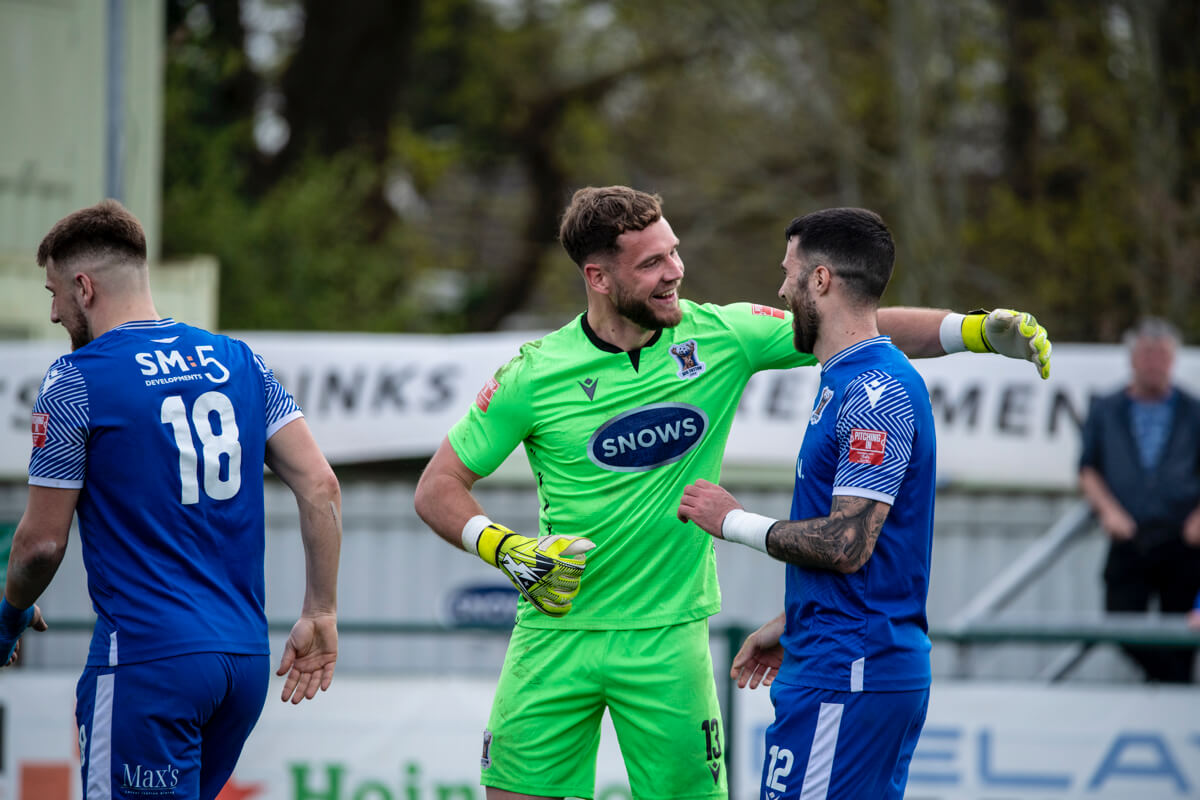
[1140,471]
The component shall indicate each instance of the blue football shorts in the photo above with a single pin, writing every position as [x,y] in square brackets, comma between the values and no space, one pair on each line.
[825,744]
[168,728]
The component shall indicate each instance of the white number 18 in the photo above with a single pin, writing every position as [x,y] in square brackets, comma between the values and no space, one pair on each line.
[213,445]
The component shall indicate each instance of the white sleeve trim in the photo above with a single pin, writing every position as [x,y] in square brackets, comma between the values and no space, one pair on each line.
[870,494]
[54,483]
[274,427]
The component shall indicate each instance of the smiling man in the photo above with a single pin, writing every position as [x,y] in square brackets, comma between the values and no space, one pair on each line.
[618,411]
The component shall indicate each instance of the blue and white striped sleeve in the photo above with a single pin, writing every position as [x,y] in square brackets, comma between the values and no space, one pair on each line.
[60,429]
[875,433]
[281,406]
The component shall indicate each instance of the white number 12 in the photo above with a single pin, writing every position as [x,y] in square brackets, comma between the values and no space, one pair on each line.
[781,767]
[213,445]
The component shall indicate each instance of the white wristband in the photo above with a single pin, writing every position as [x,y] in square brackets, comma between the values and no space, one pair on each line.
[743,527]
[471,532]
[950,333]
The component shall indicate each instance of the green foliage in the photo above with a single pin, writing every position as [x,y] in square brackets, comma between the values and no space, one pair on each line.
[302,257]
[1034,155]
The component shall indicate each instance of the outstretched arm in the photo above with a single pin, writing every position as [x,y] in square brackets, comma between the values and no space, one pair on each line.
[928,332]
[311,650]
[916,331]
[842,541]
[38,547]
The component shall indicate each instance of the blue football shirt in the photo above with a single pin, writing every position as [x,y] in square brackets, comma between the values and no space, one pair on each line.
[871,434]
[163,428]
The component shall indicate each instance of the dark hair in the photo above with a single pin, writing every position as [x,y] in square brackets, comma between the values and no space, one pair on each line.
[106,230]
[854,243]
[598,215]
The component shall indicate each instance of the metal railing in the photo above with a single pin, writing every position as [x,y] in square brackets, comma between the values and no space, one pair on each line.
[977,623]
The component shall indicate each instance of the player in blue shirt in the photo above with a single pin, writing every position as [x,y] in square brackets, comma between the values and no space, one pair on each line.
[848,661]
[155,433]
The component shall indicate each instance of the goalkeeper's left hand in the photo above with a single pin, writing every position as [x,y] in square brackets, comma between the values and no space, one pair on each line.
[1010,333]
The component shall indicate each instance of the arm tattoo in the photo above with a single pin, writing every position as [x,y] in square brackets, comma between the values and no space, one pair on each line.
[842,542]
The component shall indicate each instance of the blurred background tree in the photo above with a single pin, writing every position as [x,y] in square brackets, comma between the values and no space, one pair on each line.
[400,165]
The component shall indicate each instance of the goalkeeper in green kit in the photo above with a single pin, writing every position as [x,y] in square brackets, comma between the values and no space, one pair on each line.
[618,411]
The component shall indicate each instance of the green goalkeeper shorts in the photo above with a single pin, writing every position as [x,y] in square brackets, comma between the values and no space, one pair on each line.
[657,683]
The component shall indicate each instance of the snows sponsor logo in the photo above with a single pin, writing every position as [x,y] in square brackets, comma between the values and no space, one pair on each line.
[647,437]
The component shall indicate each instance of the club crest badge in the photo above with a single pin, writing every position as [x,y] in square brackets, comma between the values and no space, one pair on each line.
[826,396]
[485,759]
[690,364]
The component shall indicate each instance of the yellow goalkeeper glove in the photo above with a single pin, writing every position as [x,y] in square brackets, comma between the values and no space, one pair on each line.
[1010,333]
[545,570]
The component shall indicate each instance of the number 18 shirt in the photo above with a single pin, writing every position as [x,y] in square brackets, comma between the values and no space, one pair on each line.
[163,428]
[871,434]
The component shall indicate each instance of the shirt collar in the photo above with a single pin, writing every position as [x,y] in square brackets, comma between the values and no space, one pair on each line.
[139,324]
[853,349]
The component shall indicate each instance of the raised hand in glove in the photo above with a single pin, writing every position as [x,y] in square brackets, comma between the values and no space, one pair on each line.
[545,570]
[1015,334]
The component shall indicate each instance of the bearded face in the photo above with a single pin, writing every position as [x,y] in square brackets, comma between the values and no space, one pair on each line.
[794,291]
[645,277]
[651,314]
[72,319]
[806,322]
[65,309]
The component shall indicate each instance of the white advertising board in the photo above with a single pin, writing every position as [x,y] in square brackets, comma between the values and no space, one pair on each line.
[372,397]
[420,738]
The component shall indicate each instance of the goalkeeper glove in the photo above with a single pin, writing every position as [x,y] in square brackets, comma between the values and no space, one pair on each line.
[13,622]
[1014,334]
[545,570]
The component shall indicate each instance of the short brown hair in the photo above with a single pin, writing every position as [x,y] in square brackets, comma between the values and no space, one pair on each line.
[106,230]
[598,215]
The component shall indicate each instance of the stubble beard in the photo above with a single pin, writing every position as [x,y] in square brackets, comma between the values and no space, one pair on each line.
[642,314]
[806,324]
[78,329]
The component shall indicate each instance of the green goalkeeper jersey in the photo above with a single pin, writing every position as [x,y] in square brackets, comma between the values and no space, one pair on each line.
[614,437]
